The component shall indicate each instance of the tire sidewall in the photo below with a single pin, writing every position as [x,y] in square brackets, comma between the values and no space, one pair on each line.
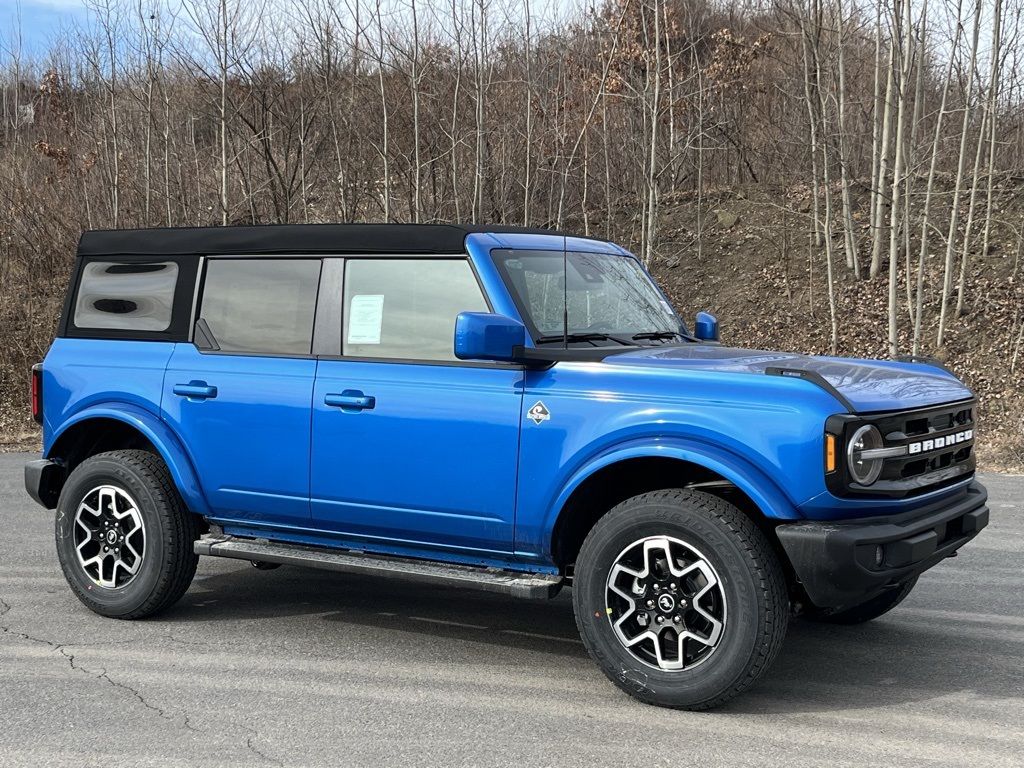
[730,660]
[103,470]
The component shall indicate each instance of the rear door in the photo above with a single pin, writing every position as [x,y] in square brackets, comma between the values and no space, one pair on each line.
[411,445]
[240,396]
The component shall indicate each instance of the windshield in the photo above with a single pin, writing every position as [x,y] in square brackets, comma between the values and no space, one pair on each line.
[611,299]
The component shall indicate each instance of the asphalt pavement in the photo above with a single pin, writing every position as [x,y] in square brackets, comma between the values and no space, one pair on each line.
[303,667]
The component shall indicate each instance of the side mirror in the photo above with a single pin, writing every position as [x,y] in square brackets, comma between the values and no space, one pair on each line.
[707,327]
[486,336]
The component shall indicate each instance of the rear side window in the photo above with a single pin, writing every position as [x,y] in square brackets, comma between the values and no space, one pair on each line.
[132,298]
[126,297]
[405,309]
[261,306]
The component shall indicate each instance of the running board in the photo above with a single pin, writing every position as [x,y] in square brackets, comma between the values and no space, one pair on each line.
[528,585]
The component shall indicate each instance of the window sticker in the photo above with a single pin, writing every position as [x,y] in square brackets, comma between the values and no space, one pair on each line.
[365,317]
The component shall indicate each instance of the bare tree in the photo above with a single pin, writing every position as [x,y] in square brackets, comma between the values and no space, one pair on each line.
[954,218]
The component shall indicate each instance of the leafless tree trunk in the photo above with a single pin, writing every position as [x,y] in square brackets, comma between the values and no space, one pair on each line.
[528,109]
[902,42]
[884,147]
[929,194]
[993,118]
[651,233]
[954,218]
[849,232]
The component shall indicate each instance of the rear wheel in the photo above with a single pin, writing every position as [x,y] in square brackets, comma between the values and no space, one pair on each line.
[866,611]
[680,599]
[124,536]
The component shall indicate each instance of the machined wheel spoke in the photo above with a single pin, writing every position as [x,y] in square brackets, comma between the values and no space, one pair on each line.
[643,636]
[130,548]
[97,561]
[83,545]
[634,576]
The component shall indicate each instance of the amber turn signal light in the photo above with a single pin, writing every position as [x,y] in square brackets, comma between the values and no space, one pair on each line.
[830,453]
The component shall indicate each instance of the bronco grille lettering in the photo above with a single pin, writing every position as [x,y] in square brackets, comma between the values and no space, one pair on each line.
[923,446]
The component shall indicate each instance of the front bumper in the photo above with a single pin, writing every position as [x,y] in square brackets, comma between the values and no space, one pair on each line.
[835,561]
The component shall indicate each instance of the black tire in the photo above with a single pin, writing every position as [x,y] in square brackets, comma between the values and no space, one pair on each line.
[751,602]
[868,610]
[119,494]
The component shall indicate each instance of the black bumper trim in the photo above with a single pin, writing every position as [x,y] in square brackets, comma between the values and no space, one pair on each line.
[835,561]
[43,481]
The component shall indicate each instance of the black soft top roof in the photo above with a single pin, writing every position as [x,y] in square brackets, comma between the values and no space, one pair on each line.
[290,238]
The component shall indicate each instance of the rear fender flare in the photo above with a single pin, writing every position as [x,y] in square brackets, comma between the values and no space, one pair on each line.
[160,435]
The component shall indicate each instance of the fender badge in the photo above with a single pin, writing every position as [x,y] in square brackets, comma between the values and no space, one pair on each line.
[538,413]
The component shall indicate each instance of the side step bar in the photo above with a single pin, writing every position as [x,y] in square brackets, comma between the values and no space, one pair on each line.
[527,585]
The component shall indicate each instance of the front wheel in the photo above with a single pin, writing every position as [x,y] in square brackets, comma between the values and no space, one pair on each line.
[680,599]
[124,536]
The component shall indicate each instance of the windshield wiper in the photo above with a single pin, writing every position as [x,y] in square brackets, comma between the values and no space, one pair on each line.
[662,336]
[587,336]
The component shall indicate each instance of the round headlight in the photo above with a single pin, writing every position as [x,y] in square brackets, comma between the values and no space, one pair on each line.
[864,471]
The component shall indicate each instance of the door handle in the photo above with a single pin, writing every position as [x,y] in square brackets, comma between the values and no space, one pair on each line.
[195,390]
[350,400]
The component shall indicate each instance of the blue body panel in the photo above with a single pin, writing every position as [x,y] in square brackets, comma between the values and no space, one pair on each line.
[250,442]
[602,413]
[432,462]
[450,460]
[869,385]
[82,373]
[101,379]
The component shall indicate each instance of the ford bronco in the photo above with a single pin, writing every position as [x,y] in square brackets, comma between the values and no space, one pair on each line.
[495,408]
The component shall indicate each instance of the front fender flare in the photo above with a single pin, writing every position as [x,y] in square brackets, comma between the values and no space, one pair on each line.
[160,435]
[758,486]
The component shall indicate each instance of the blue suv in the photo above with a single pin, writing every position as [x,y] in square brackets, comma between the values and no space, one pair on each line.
[504,409]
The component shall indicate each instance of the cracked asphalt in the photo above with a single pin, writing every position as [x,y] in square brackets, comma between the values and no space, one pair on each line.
[304,667]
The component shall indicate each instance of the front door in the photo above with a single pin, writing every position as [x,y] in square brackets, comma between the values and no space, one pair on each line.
[412,447]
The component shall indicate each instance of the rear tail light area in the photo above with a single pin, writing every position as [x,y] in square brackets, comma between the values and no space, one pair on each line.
[37,392]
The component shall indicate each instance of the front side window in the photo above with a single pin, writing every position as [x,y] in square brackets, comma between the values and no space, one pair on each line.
[126,297]
[261,306]
[405,309]
[592,298]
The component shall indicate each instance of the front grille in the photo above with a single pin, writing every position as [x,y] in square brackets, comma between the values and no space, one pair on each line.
[940,450]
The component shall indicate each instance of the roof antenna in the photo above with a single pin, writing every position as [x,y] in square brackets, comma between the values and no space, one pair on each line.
[565,294]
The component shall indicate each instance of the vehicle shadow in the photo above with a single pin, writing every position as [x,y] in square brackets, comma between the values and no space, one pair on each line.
[245,594]
[821,667]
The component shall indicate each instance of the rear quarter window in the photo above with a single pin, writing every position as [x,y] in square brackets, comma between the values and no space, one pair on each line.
[132,297]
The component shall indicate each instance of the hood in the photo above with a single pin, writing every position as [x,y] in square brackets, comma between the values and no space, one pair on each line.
[867,385]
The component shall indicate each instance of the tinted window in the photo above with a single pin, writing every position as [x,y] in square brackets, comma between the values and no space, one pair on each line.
[406,308]
[126,297]
[261,305]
